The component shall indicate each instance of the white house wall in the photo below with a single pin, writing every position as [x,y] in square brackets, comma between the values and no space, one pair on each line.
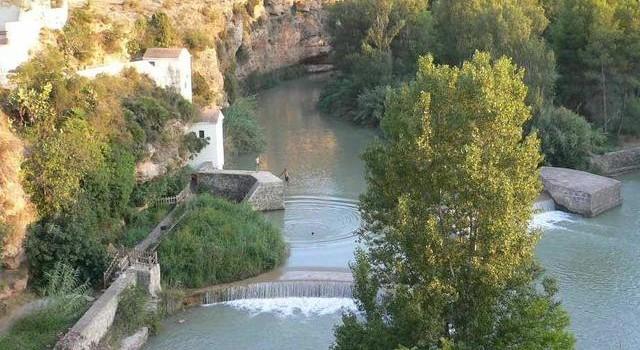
[23,32]
[164,72]
[214,151]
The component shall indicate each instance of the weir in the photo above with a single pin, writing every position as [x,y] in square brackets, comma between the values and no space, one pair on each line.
[281,289]
[544,204]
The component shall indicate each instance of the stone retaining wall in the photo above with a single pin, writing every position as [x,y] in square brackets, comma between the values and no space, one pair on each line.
[618,162]
[95,323]
[261,189]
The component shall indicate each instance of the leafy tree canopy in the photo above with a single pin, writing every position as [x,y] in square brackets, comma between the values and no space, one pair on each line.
[450,254]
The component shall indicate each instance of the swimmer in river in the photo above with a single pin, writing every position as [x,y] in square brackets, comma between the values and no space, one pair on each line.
[312,233]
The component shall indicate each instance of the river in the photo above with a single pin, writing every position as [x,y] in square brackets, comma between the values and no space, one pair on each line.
[594,260]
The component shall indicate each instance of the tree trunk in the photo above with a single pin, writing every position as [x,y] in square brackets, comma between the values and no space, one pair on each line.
[603,80]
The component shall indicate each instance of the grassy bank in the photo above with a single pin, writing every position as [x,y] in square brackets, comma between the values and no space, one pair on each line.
[64,304]
[40,329]
[219,242]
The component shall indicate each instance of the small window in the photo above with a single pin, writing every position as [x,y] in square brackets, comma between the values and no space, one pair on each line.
[201,134]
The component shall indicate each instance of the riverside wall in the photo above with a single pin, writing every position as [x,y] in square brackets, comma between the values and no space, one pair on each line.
[95,323]
[618,162]
[260,189]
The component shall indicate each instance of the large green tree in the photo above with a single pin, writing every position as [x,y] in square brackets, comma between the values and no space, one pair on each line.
[513,28]
[376,42]
[597,43]
[450,259]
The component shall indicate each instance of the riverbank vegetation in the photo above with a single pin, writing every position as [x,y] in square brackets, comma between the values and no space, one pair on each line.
[84,139]
[579,57]
[133,314]
[219,242]
[451,247]
[65,302]
[242,132]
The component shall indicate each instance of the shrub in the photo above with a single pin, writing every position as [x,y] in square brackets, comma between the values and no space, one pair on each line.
[197,40]
[201,89]
[567,139]
[78,38]
[219,242]
[140,224]
[132,313]
[156,31]
[243,134]
[164,186]
[371,106]
[72,238]
[111,39]
[66,303]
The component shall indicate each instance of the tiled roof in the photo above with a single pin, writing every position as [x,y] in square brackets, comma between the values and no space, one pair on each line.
[157,52]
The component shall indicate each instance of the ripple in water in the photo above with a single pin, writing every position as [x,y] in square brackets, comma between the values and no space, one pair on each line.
[329,218]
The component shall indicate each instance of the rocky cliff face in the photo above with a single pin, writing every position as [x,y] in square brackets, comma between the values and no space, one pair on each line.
[286,33]
[235,39]
[244,36]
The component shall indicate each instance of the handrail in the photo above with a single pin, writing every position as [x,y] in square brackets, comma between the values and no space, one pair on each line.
[123,258]
[179,198]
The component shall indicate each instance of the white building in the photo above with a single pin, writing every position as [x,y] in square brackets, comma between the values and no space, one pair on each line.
[209,127]
[20,29]
[167,67]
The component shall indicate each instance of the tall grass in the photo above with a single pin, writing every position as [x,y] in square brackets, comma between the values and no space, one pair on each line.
[219,242]
[65,303]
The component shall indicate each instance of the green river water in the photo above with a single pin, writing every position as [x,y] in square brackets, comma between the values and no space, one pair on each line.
[594,260]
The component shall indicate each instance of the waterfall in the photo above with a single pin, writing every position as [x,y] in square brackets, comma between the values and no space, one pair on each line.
[544,205]
[281,289]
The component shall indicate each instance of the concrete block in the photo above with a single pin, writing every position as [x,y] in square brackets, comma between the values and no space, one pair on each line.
[581,192]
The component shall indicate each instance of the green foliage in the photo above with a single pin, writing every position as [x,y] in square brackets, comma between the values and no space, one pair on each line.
[567,139]
[513,28]
[598,48]
[147,116]
[132,313]
[74,238]
[64,288]
[219,242]
[447,214]
[156,31]
[197,40]
[375,43]
[86,136]
[78,38]
[40,329]
[168,185]
[202,93]
[109,186]
[57,165]
[242,132]
[140,224]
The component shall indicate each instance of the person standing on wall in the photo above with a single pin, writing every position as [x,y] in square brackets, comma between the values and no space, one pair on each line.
[286,175]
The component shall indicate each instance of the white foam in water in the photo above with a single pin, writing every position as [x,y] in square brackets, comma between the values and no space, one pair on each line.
[286,307]
[550,219]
